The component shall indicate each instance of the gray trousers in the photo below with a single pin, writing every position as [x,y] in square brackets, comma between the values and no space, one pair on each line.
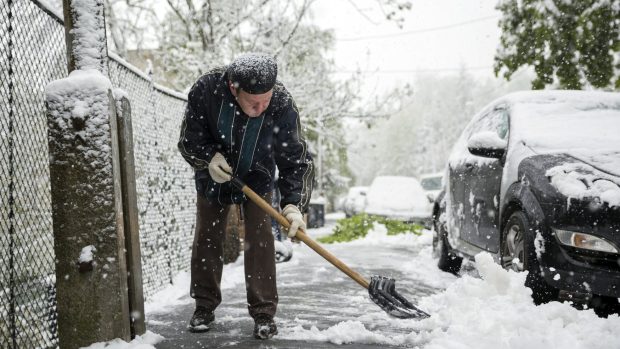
[259,257]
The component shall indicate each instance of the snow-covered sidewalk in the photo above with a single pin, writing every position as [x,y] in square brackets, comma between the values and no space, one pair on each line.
[320,307]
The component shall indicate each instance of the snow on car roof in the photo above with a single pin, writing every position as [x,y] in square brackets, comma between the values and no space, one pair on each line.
[558,120]
[581,99]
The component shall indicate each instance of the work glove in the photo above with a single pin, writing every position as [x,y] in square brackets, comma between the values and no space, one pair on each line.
[219,169]
[294,216]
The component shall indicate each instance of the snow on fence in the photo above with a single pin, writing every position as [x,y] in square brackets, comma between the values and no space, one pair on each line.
[32,54]
[166,192]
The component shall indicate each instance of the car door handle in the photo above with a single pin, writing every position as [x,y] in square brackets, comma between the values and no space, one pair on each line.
[469,166]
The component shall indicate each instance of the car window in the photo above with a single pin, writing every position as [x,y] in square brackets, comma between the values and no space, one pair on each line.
[496,120]
[431,183]
[503,121]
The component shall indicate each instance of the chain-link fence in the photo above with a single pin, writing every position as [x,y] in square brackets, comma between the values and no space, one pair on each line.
[166,194]
[32,54]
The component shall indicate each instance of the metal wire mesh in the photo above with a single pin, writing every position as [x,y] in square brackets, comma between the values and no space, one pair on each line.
[32,54]
[164,184]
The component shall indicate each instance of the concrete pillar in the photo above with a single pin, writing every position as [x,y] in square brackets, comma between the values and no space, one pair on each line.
[87,196]
[87,211]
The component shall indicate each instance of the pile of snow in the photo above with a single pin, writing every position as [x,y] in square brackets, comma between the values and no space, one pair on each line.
[577,180]
[146,341]
[494,311]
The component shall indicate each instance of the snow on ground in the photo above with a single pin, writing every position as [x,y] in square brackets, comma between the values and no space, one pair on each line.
[493,310]
[146,341]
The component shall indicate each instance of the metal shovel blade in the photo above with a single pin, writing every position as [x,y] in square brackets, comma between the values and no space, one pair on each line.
[382,291]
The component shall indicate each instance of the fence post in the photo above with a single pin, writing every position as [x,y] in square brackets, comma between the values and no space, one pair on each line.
[85,173]
[130,215]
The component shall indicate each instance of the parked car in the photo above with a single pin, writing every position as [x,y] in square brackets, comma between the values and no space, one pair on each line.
[355,201]
[400,198]
[534,179]
[431,183]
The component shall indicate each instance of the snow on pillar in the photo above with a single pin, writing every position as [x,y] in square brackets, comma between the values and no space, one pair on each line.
[85,36]
[87,208]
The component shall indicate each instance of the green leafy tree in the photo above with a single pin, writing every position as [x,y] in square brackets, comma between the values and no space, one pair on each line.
[571,43]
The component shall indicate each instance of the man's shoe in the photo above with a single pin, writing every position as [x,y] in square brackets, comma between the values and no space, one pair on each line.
[200,320]
[264,326]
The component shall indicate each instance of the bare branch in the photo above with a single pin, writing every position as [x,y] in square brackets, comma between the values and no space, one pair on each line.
[208,15]
[302,12]
[117,39]
[252,12]
[182,19]
[359,10]
[193,15]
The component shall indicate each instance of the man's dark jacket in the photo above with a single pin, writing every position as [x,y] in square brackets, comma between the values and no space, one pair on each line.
[253,147]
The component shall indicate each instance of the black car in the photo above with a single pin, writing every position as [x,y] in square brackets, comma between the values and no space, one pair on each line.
[535,180]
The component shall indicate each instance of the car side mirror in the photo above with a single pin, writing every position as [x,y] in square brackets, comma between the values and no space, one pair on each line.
[487,144]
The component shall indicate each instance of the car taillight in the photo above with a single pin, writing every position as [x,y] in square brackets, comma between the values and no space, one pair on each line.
[584,241]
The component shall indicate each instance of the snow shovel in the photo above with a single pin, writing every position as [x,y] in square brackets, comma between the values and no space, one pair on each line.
[381,289]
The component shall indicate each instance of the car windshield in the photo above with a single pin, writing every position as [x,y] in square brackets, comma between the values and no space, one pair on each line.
[567,125]
[431,183]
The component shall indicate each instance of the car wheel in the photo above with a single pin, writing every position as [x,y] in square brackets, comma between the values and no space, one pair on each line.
[605,306]
[519,254]
[447,260]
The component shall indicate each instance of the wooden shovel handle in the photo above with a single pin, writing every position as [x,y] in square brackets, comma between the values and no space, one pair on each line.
[300,234]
